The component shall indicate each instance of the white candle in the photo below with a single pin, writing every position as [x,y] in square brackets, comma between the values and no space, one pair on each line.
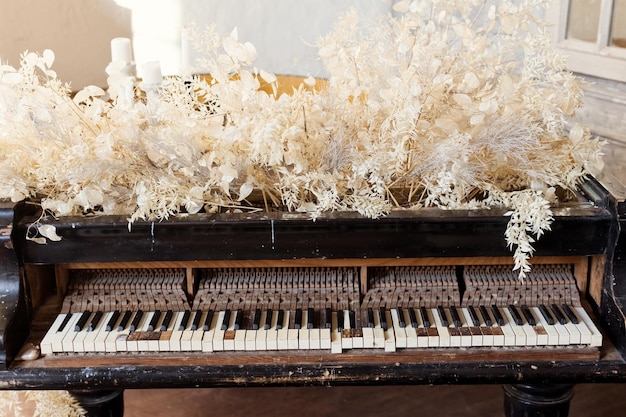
[121,50]
[151,73]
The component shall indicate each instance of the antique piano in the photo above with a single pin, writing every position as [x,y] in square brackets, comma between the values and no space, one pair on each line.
[275,299]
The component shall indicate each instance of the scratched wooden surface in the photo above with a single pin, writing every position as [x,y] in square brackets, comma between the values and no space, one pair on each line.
[433,401]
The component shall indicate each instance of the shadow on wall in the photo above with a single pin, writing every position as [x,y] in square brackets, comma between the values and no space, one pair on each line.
[78,31]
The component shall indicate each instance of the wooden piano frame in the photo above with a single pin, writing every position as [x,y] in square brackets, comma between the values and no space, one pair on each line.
[537,381]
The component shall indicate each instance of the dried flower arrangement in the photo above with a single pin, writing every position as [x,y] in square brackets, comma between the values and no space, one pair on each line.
[458,104]
[39,403]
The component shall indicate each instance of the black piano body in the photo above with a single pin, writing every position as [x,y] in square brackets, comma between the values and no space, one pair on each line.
[586,231]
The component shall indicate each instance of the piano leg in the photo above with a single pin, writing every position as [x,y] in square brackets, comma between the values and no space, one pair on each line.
[546,400]
[101,403]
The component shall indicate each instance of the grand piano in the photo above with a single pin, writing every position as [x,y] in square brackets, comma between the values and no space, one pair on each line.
[275,298]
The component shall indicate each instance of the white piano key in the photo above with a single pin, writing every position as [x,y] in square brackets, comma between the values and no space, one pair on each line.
[474,339]
[520,334]
[90,340]
[261,335]
[540,330]
[379,333]
[73,341]
[209,335]
[282,334]
[99,342]
[444,334]
[187,335]
[175,333]
[142,344]
[346,339]
[272,332]
[390,338]
[45,346]
[198,334]
[304,334]
[552,334]
[229,335]
[411,333]
[596,336]
[335,336]
[399,332]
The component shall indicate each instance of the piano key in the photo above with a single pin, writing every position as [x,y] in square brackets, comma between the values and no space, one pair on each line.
[569,313]
[514,325]
[154,320]
[528,315]
[197,319]
[136,320]
[303,330]
[412,317]
[175,333]
[539,327]
[298,319]
[125,321]
[335,334]
[356,331]
[215,321]
[257,319]
[378,331]
[280,320]
[443,318]
[272,333]
[282,329]
[82,321]
[238,320]
[54,332]
[485,316]
[268,319]
[411,333]
[260,341]
[398,329]
[328,318]
[370,317]
[310,318]
[476,336]
[558,314]
[546,314]
[454,315]
[167,319]
[596,336]
[473,317]
[442,328]
[341,320]
[184,320]
[390,338]
[226,320]
[515,315]
[96,324]
[229,334]
[94,321]
[382,317]
[551,333]
[112,321]
[497,315]
[208,319]
[401,319]
[425,317]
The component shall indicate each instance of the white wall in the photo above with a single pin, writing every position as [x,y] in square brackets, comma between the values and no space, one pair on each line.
[79,32]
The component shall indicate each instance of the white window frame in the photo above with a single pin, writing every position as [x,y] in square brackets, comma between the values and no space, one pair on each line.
[597,59]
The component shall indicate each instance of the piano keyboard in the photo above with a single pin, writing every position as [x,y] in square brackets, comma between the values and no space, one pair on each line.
[315,309]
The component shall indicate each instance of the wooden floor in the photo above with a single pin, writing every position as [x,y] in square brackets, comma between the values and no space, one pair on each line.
[600,400]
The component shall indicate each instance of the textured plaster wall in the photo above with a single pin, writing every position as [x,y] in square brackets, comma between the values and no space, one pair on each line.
[79,31]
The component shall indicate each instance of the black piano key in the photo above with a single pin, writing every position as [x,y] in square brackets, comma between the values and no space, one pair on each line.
[328,318]
[497,315]
[530,318]
[558,314]
[268,319]
[82,321]
[382,316]
[310,318]
[136,320]
[124,322]
[442,316]
[67,318]
[280,319]
[454,314]
[94,321]
[226,321]
[370,317]
[546,314]
[352,319]
[485,315]
[412,318]
[424,317]
[195,324]
[256,321]
[154,320]
[239,320]
[473,316]
[184,321]
[401,320]
[570,313]
[114,317]
[298,321]
[517,318]
[207,320]
[168,319]
[340,320]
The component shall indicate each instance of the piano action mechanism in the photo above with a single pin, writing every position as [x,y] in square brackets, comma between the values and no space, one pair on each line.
[276,299]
